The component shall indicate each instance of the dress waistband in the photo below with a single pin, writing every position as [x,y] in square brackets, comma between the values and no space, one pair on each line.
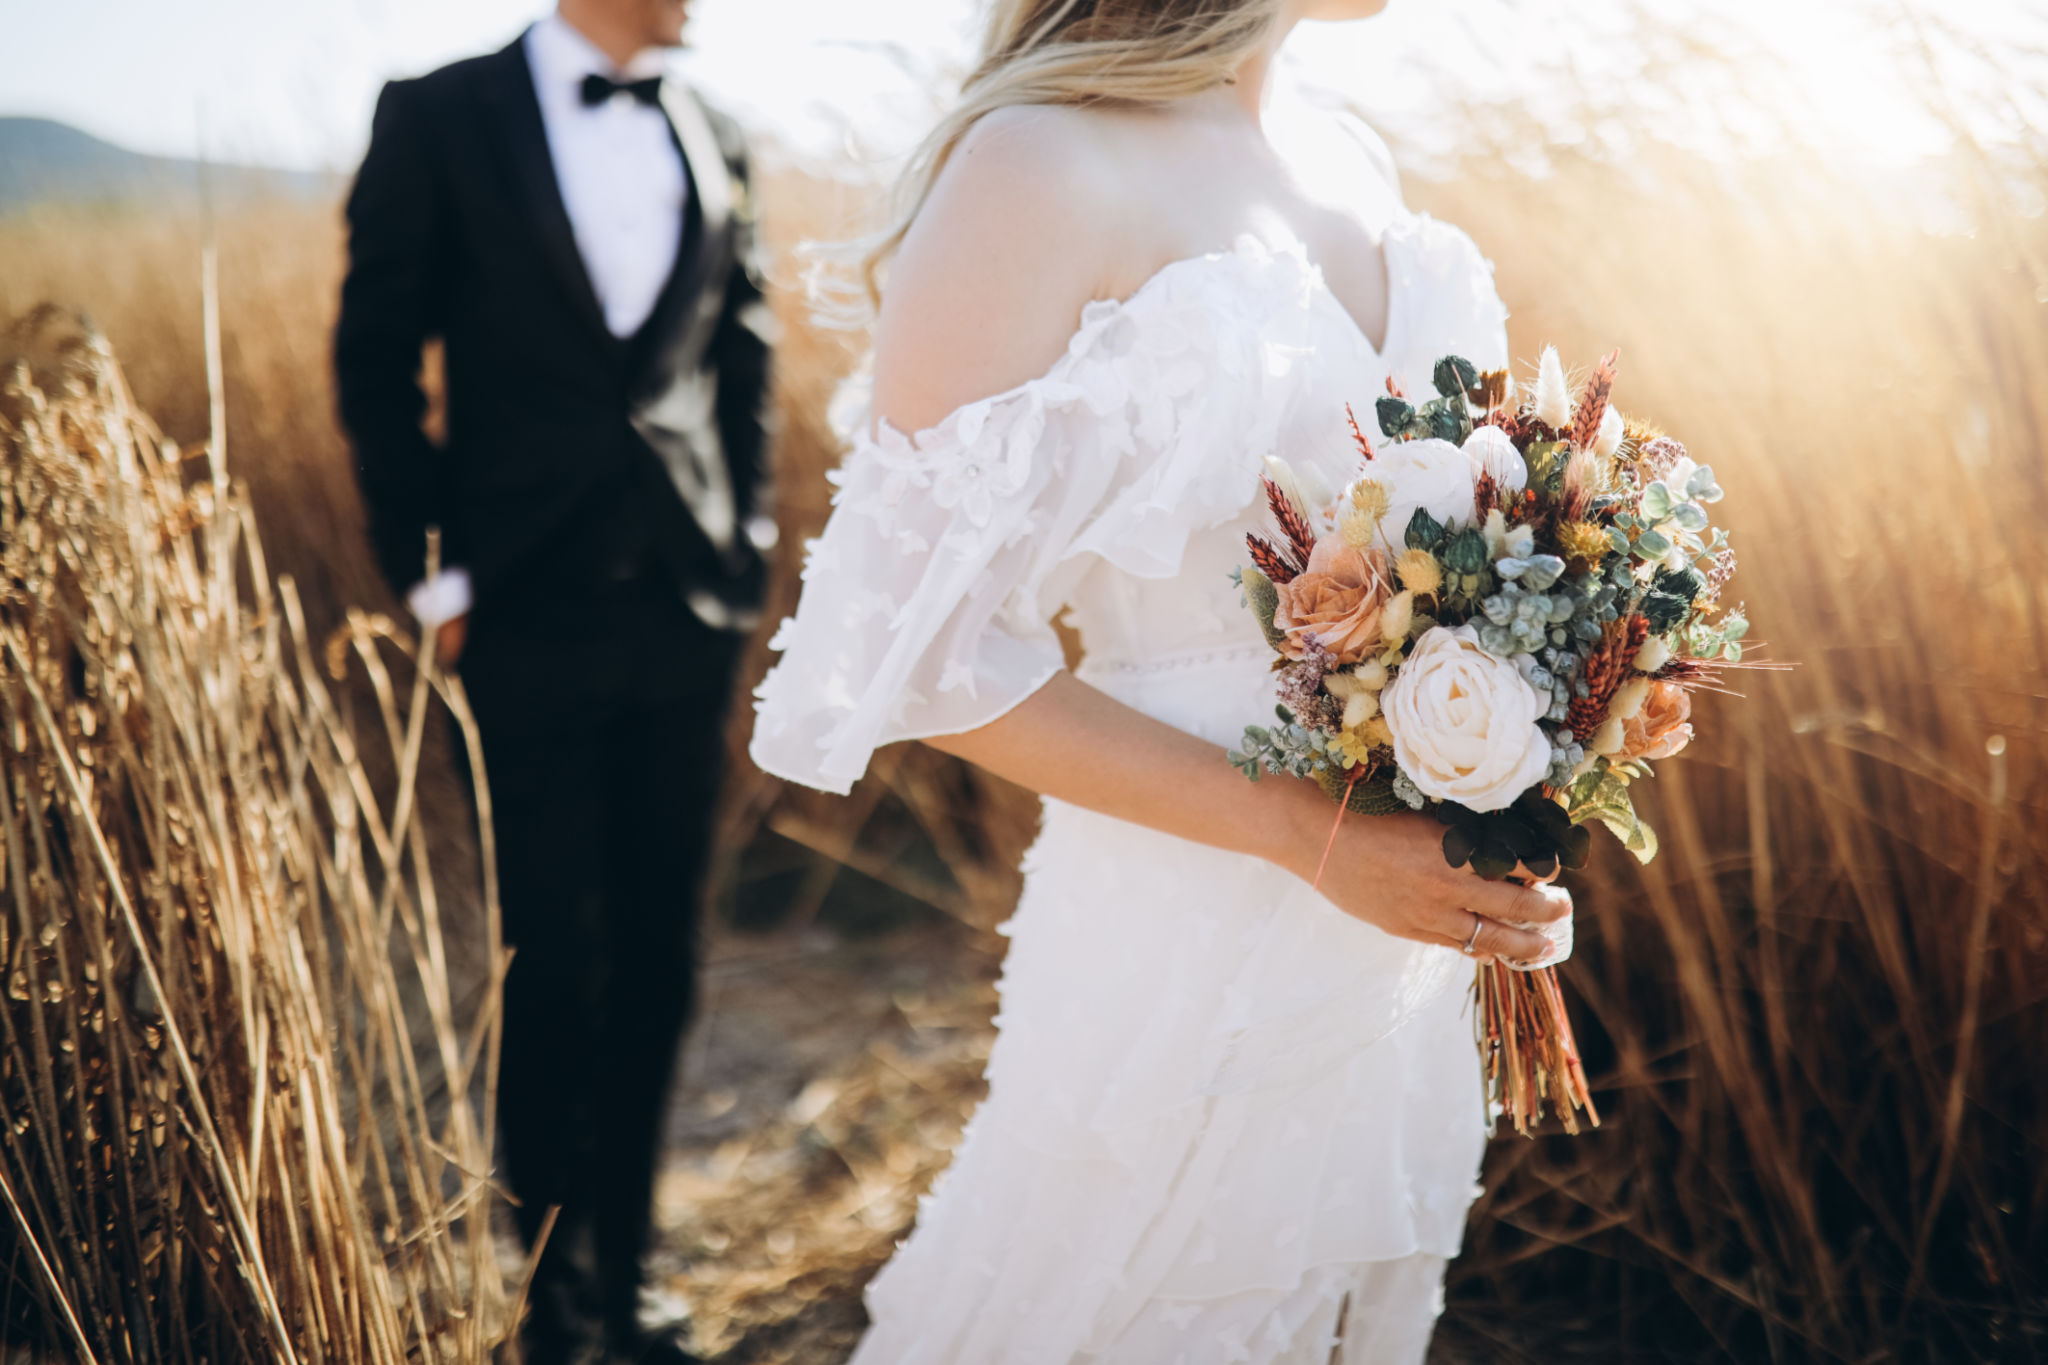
[1168,663]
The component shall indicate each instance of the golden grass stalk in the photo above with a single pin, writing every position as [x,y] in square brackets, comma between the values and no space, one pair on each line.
[219,935]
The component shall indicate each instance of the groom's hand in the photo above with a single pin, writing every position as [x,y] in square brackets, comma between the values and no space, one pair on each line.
[448,638]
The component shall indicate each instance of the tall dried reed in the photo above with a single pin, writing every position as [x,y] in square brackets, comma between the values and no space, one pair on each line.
[1816,1019]
[234,1059]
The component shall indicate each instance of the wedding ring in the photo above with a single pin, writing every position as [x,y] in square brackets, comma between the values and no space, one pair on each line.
[1478,923]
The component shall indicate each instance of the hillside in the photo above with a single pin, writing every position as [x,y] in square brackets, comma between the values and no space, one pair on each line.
[43,161]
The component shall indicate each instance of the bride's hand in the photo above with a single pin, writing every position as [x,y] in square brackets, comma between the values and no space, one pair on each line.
[1390,871]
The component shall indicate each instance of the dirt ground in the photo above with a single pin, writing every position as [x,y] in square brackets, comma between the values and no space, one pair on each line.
[825,1084]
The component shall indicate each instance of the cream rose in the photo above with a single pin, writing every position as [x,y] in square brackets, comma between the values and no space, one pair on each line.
[1491,450]
[1464,722]
[1431,474]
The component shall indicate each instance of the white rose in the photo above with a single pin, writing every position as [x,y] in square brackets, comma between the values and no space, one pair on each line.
[1464,722]
[1430,474]
[1491,450]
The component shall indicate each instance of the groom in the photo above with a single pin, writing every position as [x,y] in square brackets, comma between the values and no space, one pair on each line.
[575,227]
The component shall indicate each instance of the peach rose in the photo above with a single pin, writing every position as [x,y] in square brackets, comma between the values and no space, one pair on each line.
[1662,727]
[1337,599]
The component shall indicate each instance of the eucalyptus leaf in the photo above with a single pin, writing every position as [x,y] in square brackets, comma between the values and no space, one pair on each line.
[1652,545]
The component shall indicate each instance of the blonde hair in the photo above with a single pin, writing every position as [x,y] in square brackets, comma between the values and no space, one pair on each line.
[1076,52]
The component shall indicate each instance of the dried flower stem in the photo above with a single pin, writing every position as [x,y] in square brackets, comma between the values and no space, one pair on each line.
[1526,1045]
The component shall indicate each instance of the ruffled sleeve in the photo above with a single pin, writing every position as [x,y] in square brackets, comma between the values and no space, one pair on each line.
[927,602]
[1448,283]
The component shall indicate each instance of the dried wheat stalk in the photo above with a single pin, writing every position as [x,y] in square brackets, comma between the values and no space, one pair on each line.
[225,976]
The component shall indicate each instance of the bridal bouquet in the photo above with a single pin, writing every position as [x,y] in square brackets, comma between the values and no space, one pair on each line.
[1498,622]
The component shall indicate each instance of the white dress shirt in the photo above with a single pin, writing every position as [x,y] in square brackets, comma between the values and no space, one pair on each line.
[617,166]
[625,189]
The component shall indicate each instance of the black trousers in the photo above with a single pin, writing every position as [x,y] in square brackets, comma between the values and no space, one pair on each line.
[602,714]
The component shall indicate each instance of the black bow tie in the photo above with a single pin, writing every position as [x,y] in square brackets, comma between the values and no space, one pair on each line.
[598,88]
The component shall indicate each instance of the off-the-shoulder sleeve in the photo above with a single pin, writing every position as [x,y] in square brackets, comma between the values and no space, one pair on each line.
[919,614]
[1448,286]
[927,602]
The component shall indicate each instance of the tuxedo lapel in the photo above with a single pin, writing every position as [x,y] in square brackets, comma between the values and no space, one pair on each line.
[691,300]
[711,184]
[524,140]
[677,412]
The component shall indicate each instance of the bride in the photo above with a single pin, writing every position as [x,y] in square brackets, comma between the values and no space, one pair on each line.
[1230,1118]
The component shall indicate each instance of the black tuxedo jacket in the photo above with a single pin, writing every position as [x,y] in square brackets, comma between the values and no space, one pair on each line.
[569,451]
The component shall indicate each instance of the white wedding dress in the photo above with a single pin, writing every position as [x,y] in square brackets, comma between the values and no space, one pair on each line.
[1226,1122]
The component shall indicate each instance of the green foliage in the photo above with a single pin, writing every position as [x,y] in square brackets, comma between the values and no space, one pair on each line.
[1395,414]
[1456,377]
[1683,583]
[1290,747]
[1720,639]
[1447,417]
[1425,532]
[1601,793]
[1264,599]
[1533,832]
[1447,420]
[1664,610]
[1546,465]
[1466,552]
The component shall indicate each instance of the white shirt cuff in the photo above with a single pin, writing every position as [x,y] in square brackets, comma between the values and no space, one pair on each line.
[442,598]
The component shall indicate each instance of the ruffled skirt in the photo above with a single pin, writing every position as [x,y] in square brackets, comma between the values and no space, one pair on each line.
[1225,1123]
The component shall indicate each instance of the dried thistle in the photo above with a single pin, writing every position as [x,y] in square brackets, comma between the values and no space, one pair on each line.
[1419,572]
[1370,497]
[1635,434]
[1584,544]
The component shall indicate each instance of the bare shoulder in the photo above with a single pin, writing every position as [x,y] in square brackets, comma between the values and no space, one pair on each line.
[1022,228]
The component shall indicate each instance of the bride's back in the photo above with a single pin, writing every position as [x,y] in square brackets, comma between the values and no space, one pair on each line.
[1041,208]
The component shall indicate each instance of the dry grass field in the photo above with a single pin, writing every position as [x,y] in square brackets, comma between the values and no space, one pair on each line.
[1814,1025]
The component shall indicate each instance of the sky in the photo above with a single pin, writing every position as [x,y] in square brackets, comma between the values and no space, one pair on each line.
[292,82]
